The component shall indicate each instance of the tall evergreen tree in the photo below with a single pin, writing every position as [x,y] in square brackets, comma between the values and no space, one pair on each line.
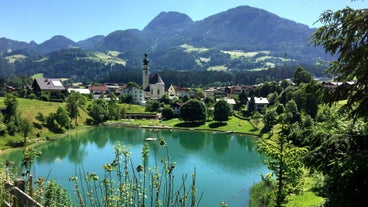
[251,105]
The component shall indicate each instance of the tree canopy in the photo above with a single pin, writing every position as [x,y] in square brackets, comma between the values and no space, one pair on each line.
[194,110]
[222,111]
[345,34]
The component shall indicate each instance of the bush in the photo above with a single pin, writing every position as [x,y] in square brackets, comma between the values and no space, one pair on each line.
[261,194]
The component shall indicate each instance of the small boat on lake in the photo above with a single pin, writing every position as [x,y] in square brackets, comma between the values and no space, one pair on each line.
[151,139]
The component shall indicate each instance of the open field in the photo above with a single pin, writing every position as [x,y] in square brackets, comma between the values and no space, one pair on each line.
[239,53]
[13,58]
[188,49]
[217,68]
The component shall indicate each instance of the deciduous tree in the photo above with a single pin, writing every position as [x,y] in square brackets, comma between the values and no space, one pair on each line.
[11,105]
[74,101]
[285,163]
[194,111]
[222,111]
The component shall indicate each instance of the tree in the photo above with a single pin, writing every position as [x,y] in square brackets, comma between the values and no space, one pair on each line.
[292,113]
[344,33]
[286,164]
[59,120]
[185,98]
[165,99]
[301,76]
[194,110]
[243,97]
[133,84]
[251,105]
[199,93]
[222,111]
[113,107]
[167,113]
[11,105]
[25,127]
[62,118]
[269,119]
[342,158]
[74,101]
[153,106]
[2,125]
[98,111]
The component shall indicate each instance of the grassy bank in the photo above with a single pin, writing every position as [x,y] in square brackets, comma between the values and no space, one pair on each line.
[29,109]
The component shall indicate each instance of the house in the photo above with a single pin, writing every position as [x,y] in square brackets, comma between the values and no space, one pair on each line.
[98,90]
[152,84]
[177,107]
[83,91]
[115,87]
[212,92]
[10,89]
[49,88]
[230,101]
[236,90]
[171,92]
[260,102]
[181,92]
[174,91]
[136,93]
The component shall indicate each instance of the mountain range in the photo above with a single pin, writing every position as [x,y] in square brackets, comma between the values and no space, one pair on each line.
[242,38]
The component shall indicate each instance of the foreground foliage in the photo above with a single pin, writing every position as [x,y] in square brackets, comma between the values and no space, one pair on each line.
[128,184]
[123,183]
[345,34]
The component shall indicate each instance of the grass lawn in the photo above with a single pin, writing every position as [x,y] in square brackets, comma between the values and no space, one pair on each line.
[308,197]
[235,125]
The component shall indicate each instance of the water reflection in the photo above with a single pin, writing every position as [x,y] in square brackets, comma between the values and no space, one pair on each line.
[225,163]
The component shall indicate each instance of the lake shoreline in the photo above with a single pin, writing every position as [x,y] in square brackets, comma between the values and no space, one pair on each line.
[42,140]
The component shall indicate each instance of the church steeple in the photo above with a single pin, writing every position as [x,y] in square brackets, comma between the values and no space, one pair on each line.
[146,72]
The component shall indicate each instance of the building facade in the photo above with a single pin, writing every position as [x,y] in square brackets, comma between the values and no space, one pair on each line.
[136,93]
[152,84]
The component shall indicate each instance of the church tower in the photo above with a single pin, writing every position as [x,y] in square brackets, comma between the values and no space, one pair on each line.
[146,73]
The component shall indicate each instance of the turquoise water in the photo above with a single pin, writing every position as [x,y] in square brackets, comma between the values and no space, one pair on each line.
[227,165]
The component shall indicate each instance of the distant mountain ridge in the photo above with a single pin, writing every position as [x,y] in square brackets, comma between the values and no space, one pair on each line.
[167,36]
[242,27]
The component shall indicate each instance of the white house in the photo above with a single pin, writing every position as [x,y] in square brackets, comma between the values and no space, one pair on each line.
[230,101]
[83,91]
[136,93]
[259,101]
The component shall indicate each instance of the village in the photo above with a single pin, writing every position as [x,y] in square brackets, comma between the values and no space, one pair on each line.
[152,88]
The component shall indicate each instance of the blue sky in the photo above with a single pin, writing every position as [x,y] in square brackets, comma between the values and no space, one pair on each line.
[39,20]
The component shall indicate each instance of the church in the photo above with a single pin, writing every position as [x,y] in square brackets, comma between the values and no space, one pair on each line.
[153,85]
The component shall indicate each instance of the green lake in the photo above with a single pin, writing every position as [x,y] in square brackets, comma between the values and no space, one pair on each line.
[227,165]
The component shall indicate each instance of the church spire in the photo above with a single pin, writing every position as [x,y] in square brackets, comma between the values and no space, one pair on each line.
[146,73]
[145,62]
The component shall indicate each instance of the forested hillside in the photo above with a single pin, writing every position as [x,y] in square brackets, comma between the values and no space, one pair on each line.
[238,40]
